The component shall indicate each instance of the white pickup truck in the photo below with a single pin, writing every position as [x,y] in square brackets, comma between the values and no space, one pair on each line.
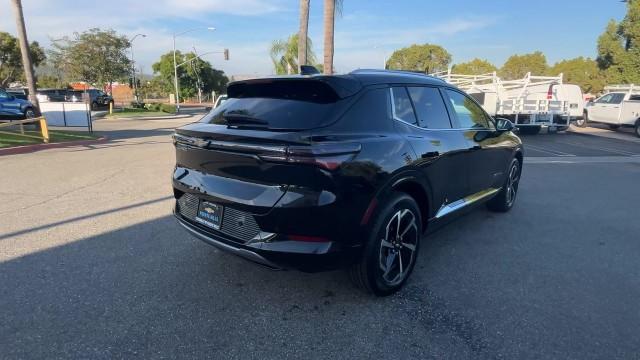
[619,107]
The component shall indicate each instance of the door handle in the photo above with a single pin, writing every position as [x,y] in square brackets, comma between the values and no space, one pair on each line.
[430,154]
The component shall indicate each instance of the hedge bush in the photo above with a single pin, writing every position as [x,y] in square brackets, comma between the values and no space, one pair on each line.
[168,108]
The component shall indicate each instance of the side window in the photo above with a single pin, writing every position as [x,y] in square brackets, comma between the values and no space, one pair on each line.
[430,108]
[371,112]
[470,115]
[616,98]
[3,94]
[402,108]
[605,99]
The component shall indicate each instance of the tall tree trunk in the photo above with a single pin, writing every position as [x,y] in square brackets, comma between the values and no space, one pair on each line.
[26,54]
[329,23]
[303,32]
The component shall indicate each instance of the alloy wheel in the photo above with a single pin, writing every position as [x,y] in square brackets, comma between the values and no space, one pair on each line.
[398,247]
[512,183]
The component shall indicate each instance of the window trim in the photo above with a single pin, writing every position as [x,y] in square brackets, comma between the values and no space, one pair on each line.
[393,106]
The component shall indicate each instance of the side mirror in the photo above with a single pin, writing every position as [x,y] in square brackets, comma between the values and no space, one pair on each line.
[503,124]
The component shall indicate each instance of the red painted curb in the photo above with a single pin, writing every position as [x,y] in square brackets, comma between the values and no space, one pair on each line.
[37,147]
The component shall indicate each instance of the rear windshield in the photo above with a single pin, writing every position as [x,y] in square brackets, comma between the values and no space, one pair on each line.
[284,106]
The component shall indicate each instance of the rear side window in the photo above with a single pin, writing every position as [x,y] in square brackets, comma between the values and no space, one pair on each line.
[470,115]
[402,108]
[634,98]
[430,108]
[371,112]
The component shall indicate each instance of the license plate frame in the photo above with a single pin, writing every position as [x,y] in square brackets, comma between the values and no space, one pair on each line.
[209,214]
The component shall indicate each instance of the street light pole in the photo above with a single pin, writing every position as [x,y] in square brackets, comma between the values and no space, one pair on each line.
[175,64]
[133,67]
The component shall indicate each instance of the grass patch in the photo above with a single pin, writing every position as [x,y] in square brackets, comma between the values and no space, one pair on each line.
[14,138]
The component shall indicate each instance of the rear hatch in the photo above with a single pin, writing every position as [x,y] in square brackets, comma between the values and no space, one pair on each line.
[247,151]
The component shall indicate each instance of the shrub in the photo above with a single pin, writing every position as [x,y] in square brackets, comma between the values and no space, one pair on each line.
[152,107]
[168,108]
[138,105]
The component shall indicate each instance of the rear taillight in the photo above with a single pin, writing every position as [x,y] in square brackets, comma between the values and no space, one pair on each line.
[327,156]
[550,93]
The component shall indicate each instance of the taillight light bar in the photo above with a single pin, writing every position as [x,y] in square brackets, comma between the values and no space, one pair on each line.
[327,156]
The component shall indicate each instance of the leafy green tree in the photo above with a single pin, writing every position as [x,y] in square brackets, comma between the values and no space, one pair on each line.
[580,71]
[49,81]
[517,66]
[619,47]
[474,67]
[95,56]
[195,73]
[427,58]
[284,55]
[11,60]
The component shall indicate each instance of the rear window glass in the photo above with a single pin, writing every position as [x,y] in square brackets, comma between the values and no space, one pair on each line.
[402,108]
[273,114]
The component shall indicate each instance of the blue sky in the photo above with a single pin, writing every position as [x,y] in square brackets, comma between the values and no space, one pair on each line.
[366,32]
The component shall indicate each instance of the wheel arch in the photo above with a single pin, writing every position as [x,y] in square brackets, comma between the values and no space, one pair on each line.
[414,188]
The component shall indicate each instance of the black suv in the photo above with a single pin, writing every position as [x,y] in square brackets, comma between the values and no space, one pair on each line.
[318,172]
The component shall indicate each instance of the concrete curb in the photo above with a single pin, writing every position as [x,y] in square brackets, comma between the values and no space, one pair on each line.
[37,147]
[182,116]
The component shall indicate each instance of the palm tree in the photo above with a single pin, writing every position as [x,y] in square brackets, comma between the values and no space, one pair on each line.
[331,8]
[284,55]
[24,49]
[303,32]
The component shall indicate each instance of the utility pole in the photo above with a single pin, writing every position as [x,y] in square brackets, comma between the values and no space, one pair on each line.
[26,55]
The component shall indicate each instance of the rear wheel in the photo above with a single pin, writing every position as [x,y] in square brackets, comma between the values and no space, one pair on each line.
[583,122]
[392,248]
[505,199]
[530,130]
[637,128]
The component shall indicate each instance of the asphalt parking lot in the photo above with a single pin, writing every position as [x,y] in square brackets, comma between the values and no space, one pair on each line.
[92,265]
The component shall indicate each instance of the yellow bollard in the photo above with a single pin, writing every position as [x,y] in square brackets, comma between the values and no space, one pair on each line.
[44,129]
[110,107]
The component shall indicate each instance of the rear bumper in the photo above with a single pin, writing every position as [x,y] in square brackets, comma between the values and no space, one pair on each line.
[276,253]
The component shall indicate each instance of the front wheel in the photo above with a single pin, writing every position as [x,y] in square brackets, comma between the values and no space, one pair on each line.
[392,248]
[505,199]
[29,113]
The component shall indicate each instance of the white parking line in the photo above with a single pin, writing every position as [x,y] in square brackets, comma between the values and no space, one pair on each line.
[548,151]
[614,151]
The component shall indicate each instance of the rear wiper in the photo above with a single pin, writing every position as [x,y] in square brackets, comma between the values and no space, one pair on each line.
[244,121]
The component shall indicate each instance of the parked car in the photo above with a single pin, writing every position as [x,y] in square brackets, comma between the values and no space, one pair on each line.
[51,95]
[12,107]
[98,98]
[620,107]
[320,172]
[20,93]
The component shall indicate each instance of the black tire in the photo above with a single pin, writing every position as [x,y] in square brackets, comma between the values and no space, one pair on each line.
[530,130]
[563,128]
[94,105]
[582,122]
[29,113]
[399,212]
[637,128]
[614,127]
[506,198]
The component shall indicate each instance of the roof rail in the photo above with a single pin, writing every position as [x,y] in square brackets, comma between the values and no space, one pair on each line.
[622,87]
[402,72]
